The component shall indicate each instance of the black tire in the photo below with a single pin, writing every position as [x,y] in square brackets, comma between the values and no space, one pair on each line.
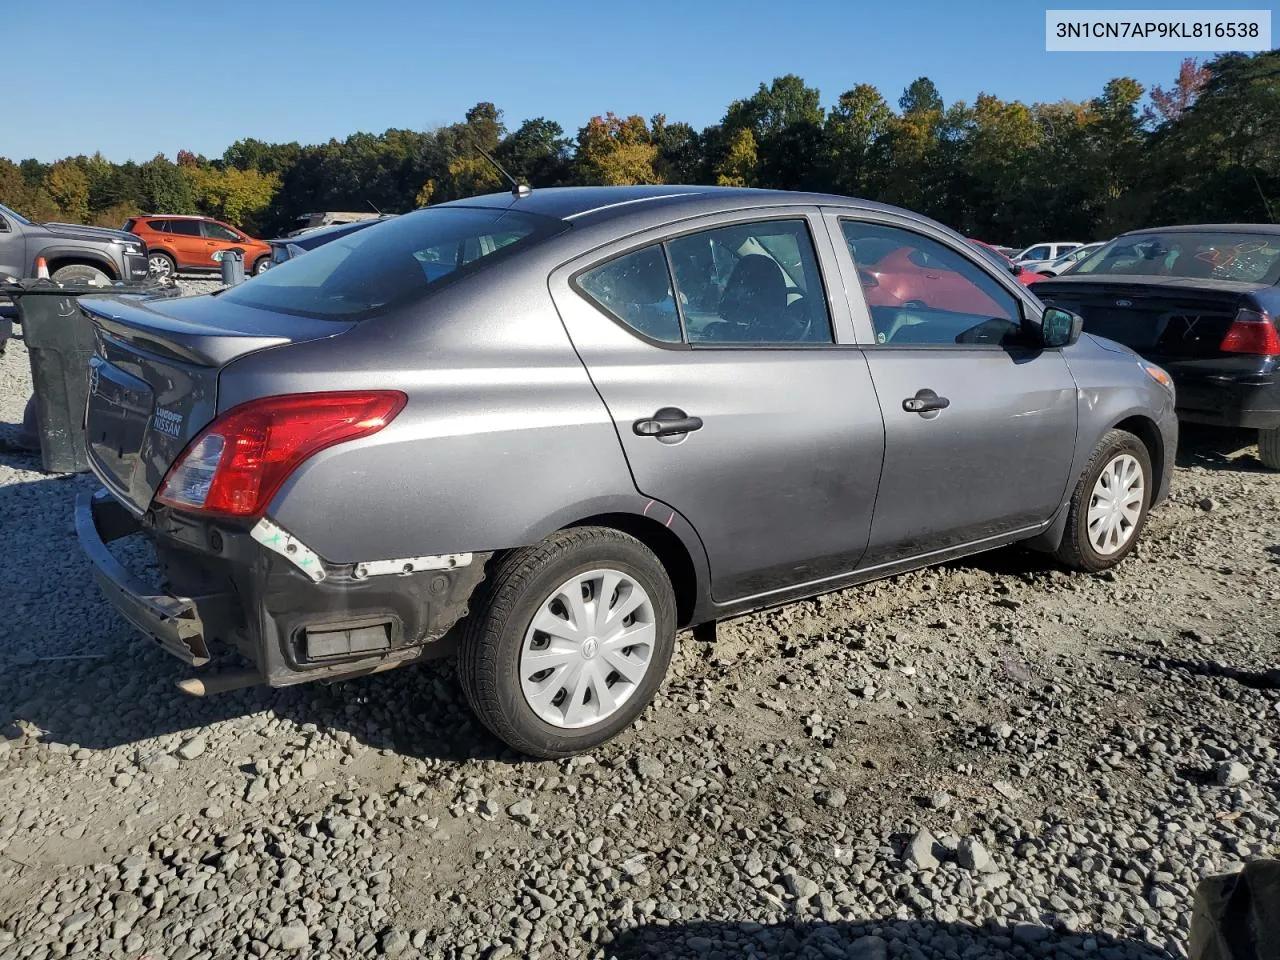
[1076,550]
[81,273]
[1269,448]
[516,586]
[154,268]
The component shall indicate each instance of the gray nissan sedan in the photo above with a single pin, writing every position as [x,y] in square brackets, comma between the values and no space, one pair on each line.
[546,430]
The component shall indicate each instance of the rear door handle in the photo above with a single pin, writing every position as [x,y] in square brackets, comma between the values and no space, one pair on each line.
[926,403]
[667,422]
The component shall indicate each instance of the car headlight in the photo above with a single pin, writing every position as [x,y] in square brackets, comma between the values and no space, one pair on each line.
[1158,374]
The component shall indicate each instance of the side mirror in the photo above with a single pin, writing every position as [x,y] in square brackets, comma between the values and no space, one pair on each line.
[1060,328]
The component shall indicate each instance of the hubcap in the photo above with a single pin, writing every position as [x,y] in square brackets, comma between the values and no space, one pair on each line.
[160,266]
[1116,504]
[587,649]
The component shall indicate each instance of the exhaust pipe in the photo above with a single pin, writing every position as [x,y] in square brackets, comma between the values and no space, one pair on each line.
[219,683]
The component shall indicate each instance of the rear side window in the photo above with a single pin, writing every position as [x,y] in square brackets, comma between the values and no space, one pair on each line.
[185,228]
[157,226]
[748,284]
[393,263]
[636,288]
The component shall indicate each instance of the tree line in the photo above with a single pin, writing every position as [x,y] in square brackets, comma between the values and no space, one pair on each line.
[1205,149]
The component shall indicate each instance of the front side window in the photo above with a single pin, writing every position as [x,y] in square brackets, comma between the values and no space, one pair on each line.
[1035,253]
[921,292]
[184,228]
[393,263]
[216,231]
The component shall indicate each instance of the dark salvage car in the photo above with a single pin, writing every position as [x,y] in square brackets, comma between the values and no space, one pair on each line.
[547,430]
[1200,301]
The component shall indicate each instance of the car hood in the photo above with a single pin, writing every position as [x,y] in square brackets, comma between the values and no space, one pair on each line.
[77,231]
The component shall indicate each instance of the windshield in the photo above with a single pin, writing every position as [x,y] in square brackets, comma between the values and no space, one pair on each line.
[392,263]
[1234,257]
[14,215]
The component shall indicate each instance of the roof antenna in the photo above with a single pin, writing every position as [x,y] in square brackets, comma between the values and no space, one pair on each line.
[518,189]
[375,209]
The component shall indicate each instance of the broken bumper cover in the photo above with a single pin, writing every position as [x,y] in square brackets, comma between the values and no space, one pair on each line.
[172,622]
[260,592]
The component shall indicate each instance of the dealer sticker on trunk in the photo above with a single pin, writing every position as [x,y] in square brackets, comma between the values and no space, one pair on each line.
[167,422]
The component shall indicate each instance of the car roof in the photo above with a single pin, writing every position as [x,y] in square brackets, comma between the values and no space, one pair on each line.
[602,204]
[1267,228]
[175,216]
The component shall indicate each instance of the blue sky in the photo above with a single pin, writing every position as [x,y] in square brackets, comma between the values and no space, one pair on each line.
[110,78]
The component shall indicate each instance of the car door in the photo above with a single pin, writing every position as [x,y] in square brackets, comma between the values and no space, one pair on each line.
[980,424]
[735,402]
[188,245]
[219,237]
[13,249]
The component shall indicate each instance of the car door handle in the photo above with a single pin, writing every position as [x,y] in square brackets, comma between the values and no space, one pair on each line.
[926,403]
[667,422]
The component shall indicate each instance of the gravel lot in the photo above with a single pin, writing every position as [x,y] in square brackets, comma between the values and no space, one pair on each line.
[991,759]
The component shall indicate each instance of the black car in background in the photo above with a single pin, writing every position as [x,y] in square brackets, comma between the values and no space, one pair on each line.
[1202,302]
[286,248]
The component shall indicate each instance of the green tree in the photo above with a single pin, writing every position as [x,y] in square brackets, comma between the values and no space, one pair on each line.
[857,154]
[164,188]
[69,187]
[740,167]
[616,151]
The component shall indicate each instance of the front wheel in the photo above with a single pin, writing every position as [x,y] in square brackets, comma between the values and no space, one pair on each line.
[261,265]
[568,641]
[81,273]
[1269,447]
[1109,506]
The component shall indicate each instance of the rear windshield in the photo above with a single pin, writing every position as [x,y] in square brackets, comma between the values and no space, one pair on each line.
[1238,257]
[392,263]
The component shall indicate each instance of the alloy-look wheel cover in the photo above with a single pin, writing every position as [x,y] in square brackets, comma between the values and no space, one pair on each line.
[587,649]
[1115,505]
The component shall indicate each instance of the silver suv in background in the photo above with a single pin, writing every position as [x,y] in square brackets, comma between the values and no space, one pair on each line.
[72,252]
[548,430]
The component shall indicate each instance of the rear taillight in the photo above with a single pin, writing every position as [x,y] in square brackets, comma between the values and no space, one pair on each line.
[1252,332]
[235,465]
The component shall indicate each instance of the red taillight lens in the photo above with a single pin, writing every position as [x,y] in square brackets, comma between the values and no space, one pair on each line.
[1252,332]
[237,463]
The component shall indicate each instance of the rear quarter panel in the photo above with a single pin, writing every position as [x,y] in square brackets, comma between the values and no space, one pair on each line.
[503,440]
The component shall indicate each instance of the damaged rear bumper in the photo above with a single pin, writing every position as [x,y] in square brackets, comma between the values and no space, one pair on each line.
[173,622]
[230,589]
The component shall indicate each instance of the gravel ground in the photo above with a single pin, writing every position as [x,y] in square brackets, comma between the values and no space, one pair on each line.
[990,759]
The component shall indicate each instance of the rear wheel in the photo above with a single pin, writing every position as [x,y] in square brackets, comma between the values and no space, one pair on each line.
[161,265]
[1109,506]
[569,641]
[1269,447]
[81,273]
[261,264]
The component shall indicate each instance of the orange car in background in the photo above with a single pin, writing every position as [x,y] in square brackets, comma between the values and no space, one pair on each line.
[178,243]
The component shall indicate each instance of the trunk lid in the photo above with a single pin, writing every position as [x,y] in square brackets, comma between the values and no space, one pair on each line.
[154,375]
[1165,319]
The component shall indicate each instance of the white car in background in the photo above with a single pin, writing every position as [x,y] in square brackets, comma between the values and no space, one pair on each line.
[1042,253]
[1054,268]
